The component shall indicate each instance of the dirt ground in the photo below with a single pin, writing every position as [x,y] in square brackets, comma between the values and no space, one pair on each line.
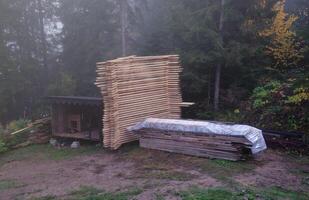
[42,171]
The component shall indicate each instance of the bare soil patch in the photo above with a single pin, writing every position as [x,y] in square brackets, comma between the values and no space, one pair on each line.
[40,173]
[274,172]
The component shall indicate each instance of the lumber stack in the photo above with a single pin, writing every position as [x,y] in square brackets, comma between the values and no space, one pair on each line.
[135,88]
[189,143]
[200,138]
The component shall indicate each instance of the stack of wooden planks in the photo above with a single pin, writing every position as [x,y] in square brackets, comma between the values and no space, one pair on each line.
[200,138]
[201,145]
[135,88]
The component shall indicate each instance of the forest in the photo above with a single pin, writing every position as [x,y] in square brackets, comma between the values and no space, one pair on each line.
[244,61]
[202,99]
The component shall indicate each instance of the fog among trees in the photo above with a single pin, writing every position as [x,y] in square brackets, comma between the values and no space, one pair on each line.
[244,60]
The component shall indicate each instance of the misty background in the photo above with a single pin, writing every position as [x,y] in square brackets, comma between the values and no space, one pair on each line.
[50,47]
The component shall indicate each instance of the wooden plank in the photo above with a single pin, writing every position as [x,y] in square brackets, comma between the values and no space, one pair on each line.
[135,88]
[203,144]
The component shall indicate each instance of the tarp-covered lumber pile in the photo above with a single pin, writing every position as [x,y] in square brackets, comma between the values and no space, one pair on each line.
[200,138]
[135,88]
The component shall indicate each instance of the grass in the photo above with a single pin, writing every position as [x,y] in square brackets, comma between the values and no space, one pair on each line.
[224,170]
[8,184]
[296,157]
[271,193]
[159,197]
[47,152]
[193,193]
[277,193]
[206,194]
[154,159]
[168,175]
[154,167]
[229,167]
[302,170]
[159,164]
[85,191]
[49,197]
[302,173]
[91,193]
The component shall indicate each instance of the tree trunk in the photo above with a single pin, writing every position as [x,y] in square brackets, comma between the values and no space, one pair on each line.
[219,66]
[42,35]
[209,88]
[124,17]
[217,87]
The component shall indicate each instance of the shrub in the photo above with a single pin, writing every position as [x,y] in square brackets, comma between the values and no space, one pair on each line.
[262,95]
[280,105]
[7,140]
[3,147]
[17,125]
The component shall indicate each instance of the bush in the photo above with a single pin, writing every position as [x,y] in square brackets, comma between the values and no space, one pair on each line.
[280,105]
[262,95]
[3,147]
[7,140]
[17,125]
[234,116]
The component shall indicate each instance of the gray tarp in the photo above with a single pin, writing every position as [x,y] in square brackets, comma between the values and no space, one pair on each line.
[254,135]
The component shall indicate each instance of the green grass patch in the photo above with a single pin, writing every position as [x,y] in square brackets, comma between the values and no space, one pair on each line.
[159,197]
[49,197]
[3,147]
[231,167]
[129,148]
[168,175]
[91,193]
[8,184]
[46,152]
[193,193]
[85,191]
[302,169]
[66,153]
[296,157]
[206,194]
[303,174]
[152,160]
[160,165]
[277,193]
[224,170]
[271,193]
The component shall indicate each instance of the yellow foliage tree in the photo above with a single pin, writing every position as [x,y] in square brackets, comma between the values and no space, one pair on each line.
[284,48]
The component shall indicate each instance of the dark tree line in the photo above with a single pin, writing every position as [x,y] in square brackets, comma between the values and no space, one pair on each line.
[50,47]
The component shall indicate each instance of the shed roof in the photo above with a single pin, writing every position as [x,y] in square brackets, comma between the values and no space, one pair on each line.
[75,100]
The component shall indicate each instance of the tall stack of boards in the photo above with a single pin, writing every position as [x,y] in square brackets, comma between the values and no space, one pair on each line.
[135,88]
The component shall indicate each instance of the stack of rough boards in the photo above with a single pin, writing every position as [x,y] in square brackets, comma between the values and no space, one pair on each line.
[200,138]
[135,88]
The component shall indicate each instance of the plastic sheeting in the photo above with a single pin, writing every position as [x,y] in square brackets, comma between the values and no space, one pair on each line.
[252,134]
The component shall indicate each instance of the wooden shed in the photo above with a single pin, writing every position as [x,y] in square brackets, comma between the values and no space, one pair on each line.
[76,117]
